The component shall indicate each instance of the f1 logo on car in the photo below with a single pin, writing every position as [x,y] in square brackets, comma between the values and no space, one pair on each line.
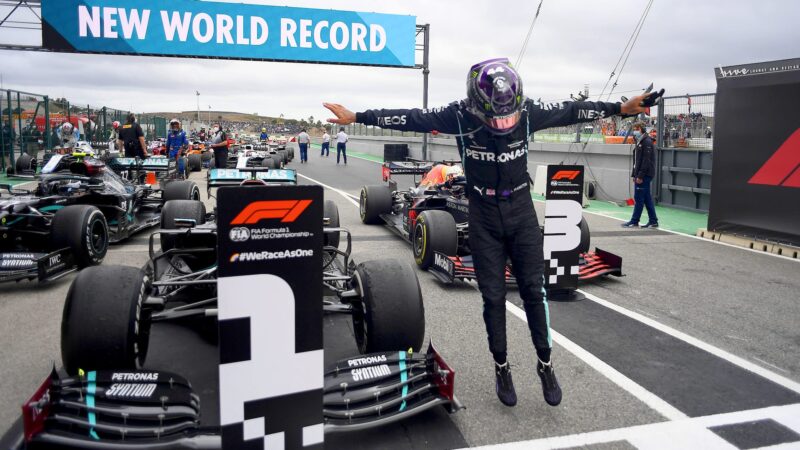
[566,175]
[783,167]
[286,210]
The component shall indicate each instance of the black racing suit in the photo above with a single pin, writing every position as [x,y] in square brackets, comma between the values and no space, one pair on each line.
[502,220]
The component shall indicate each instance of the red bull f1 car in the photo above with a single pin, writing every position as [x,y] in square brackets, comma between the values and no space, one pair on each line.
[432,216]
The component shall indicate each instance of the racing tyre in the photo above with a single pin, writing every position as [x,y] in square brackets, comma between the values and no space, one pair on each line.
[331,212]
[391,315]
[375,200]
[180,190]
[284,156]
[586,237]
[104,326]
[205,156]
[433,231]
[195,162]
[268,163]
[183,209]
[291,154]
[84,230]
[23,163]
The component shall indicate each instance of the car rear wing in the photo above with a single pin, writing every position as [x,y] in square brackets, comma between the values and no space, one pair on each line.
[154,164]
[234,177]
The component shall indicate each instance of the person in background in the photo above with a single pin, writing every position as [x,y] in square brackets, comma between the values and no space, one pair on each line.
[303,141]
[708,133]
[341,145]
[131,138]
[219,143]
[644,169]
[326,144]
[264,135]
[177,144]
[66,136]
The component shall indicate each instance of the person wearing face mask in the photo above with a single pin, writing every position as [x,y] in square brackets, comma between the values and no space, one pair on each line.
[219,142]
[493,127]
[644,169]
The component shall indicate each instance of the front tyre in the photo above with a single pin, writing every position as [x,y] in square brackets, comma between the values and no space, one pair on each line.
[434,231]
[391,314]
[374,201]
[83,229]
[104,325]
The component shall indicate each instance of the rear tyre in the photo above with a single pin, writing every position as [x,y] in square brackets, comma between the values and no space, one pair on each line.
[375,200]
[391,314]
[586,237]
[104,325]
[180,190]
[195,162]
[291,154]
[284,156]
[23,163]
[205,156]
[434,231]
[182,209]
[331,212]
[83,229]
[268,162]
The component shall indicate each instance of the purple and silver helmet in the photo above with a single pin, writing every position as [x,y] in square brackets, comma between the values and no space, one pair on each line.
[494,91]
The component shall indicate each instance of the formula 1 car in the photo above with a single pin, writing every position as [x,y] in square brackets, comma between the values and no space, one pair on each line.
[108,401]
[196,155]
[255,156]
[68,221]
[433,217]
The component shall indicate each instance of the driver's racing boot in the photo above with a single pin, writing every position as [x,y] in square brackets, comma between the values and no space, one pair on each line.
[550,387]
[505,385]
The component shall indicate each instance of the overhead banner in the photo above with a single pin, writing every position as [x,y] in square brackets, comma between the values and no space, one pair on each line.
[562,226]
[205,29]
[755,189]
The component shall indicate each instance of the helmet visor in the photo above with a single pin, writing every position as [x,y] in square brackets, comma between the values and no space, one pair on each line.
[502,123]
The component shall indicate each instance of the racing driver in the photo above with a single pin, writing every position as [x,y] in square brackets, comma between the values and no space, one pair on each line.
[492,128]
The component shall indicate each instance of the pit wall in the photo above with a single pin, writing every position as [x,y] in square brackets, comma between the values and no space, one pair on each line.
[609,165]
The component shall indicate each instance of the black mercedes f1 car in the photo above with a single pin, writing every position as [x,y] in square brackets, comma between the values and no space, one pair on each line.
[433,217]
[77,209]
[109,400]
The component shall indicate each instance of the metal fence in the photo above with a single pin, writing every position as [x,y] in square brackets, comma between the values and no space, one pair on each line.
[685,151]
[29,123]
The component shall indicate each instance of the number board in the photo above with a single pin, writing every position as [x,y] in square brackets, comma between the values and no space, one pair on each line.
[270,317]
[562,232]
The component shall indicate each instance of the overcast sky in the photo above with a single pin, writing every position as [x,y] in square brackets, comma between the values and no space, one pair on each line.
[575,42]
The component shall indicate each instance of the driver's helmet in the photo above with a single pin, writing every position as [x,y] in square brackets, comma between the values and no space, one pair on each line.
[175,126]
[453,172]
[67,128]
[115,125]
[494,94]
[263,130]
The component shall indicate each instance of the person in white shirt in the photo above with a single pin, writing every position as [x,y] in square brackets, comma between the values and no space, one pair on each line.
[302,142]
[326,144]
[341,145]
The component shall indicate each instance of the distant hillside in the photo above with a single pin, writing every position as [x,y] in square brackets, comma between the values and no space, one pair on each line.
[227,116]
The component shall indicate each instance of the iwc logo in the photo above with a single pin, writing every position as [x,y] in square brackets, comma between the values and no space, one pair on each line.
[239,234]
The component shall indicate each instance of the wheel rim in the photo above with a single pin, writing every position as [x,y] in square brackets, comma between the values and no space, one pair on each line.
[419,240]
[362,205]
[98,236]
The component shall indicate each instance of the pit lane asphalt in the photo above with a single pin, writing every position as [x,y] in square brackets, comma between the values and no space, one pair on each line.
[741,302]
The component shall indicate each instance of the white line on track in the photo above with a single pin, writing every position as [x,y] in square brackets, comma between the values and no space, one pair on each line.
[653,401]
[664,229]
[689,433]
[716,351]
[338,191]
